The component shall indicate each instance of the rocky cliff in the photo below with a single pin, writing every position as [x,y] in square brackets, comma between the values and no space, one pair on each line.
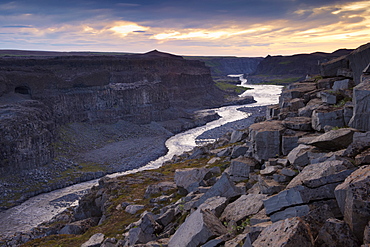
[300,178]
[42,96]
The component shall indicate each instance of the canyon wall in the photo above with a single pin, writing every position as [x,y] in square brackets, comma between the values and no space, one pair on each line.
[39,94]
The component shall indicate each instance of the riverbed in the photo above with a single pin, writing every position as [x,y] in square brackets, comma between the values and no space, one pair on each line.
[43,207]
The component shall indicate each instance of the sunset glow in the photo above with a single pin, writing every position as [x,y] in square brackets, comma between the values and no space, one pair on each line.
[243,29]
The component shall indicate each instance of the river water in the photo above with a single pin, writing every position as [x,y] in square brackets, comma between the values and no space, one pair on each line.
[43,207]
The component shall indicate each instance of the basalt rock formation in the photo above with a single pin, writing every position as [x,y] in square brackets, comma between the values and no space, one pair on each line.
[41,94]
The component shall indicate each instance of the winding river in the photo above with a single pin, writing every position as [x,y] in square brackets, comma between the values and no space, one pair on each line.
[43,207]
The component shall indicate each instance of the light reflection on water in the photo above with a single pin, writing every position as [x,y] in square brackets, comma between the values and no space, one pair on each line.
[42,208]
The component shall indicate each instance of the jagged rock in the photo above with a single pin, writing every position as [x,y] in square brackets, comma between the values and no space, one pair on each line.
[95,240]
[347,113]
[328,98]
[299,157]
[354,201]
[272,111]
[239,151]
[253,232]
[327,116]
[320,174]
[238,135]
[240,168]
[289,172]
[281,178]
[295,211]
[269,170]
[146,230]
[214,242]
[197,229]
[188,179]
[296,197]
[260,217]
[109,242]
[290,141]
[341,85]
[361,111]
[167,217]
[363,158]
[298,123]
[361,141]
[159,188]
[307,110]
[224,152]
[288,233]
[132,209]
[335,233]
[213,160]
[292,104]
[268,186]
[266,139]
[334,139]
[216,205]
[326,83]
[236,241]
[244,206]
[224,187]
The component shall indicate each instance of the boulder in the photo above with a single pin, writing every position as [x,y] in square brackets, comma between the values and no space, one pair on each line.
[335,233]
[327,116]
[291,232]
[361,111]
[253,232]
[363,158]
[354,201]
[341,85]
[260,217]
[197,229]
[240,168]
[266,139]
[299,157]
[328,172]
[132,209]
[238,135]
[269,186]
[224,187]
[289,141]
[146,230]
[167,217]
[272,111]
[239,151]
[298,123]
[361,141]
[159,188]
[296,197]
[293,104]
[243,207]
[189,179]
[334,139]
[215,205]
[307,110]
[328,98]
[94,241]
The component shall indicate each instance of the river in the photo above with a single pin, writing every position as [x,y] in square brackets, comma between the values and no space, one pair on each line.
[43,207]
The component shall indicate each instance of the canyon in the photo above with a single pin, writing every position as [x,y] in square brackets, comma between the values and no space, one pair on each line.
[301,173]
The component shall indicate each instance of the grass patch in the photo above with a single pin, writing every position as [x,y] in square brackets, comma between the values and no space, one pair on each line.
[231,88]
[130,188]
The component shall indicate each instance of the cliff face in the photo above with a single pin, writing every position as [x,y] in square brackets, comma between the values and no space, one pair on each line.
[350,65]
[223,66]
[38,94]
[300,64]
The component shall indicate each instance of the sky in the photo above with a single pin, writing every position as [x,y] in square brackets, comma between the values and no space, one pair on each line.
[244,28]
